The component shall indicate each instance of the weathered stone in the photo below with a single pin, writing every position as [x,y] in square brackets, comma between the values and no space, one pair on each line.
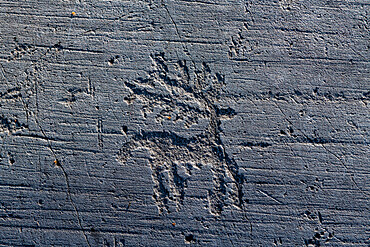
[173,123]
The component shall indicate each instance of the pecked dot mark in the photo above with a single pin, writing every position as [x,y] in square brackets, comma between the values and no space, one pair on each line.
[189,238]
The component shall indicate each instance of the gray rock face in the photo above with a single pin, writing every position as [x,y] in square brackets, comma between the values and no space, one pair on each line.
[184,123]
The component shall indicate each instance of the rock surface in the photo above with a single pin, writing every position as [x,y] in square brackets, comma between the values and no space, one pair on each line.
[184,123]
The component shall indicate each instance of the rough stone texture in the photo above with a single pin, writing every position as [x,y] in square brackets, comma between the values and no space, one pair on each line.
[173,123]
